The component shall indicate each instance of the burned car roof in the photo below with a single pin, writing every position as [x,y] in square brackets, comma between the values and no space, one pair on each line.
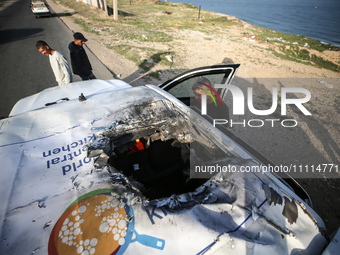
[110,174]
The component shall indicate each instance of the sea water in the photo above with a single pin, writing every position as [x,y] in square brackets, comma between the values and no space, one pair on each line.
[317,19]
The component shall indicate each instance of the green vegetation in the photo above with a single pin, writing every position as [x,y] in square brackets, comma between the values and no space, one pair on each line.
[279,37]
[155,75]
[128,51]
[86,25]
[297,48]
[152,21]
[295,53]
[133,53]
[145,22]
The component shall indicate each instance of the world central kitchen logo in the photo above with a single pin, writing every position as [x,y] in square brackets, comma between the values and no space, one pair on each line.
[238,101]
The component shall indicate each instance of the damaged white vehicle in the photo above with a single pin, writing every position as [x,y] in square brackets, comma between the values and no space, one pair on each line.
[100,167]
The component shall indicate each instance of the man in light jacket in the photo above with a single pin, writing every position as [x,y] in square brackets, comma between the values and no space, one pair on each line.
[59,64]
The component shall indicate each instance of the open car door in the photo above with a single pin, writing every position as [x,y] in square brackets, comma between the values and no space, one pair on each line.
[181,85]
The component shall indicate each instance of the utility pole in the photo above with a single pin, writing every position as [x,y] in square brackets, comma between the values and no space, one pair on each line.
[199,13]
[115,10]
[105,9]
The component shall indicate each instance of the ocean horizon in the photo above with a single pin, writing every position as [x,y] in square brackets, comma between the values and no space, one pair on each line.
[316,19]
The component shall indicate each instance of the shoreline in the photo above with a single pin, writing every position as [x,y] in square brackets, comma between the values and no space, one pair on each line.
[189,48]
[257,22]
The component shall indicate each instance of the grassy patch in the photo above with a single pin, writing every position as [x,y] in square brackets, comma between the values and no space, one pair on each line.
[151,21]
[297,48]
[135,54]
[295,53]
[175,4]
[145,34]
[155,75]
[320,62]
[128,51]
[86,25]
[279,37]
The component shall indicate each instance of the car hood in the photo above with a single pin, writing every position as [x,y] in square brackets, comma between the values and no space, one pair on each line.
[54,187]
[66,92]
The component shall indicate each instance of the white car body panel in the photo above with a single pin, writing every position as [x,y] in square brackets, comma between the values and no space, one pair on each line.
[334,246]
[47,173]
[69,91]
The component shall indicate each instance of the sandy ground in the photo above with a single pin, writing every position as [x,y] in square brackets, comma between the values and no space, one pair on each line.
[195,49]
[316,139]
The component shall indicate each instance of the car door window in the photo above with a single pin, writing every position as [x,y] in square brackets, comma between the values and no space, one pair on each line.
[181,85]
[184,88]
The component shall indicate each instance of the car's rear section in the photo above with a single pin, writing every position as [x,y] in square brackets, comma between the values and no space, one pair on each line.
[40,9]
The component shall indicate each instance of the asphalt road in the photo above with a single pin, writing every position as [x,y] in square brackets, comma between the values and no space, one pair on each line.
[23,70]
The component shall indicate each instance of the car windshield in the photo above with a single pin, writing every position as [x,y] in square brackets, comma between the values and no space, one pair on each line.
[184,89]
[39,5]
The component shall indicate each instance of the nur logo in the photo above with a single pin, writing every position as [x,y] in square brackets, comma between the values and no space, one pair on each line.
[289,96]
[202,88]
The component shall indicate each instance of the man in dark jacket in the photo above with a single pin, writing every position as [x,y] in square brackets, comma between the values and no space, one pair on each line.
[79,60]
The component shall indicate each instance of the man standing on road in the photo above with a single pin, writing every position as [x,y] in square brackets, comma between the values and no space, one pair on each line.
[79,60]
[59,64]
